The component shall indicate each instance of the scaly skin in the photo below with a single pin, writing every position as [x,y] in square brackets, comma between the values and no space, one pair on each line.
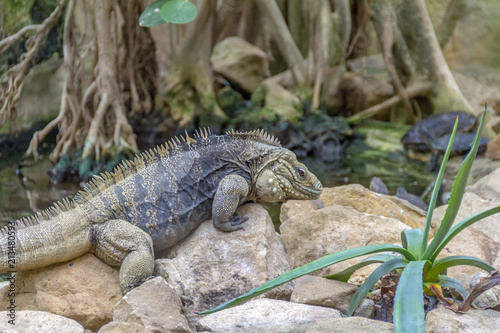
[156,200]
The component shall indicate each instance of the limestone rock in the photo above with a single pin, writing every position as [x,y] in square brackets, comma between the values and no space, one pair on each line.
[84,289]
[493,147]
[315,290]
[123,327]
[27,321]
[211,267]
[366,201]
[442,320]
[310,236]
[154,305]
[296,207]
[241,63]
[266,315]
[488,187]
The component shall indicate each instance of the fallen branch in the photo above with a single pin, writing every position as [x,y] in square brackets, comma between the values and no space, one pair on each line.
[417,89]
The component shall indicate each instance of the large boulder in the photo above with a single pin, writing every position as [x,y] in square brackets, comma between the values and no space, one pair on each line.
[487,187]
[442,320]
[154,305]
[310,236]
[268,315]
[39,322]
[241,63]
[84,289]
[365,201]
[210,266]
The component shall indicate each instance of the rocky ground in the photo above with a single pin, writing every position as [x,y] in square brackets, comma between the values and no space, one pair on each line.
[211,267]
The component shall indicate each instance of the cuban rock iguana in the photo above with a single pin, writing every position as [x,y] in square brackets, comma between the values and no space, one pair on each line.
[154,201]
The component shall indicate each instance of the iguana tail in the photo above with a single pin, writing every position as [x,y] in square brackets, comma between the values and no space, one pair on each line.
[43,240]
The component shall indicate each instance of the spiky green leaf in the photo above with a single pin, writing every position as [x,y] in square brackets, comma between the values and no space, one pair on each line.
[364,289]
[311,267]
[412,240]
[435,192]
[345,275]
[447,282]
[409,315]
[440,265]
[457,193]
[461,226]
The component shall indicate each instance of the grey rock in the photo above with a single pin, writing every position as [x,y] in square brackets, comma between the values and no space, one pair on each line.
[267,315]
[28,321]
[211,267]
[442,320]
[310,236]
[315,290]
[154,305]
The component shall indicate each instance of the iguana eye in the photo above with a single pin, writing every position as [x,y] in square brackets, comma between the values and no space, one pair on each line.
[300,172]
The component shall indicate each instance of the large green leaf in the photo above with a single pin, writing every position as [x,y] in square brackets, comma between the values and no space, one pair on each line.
[435,192]
[371,280]
[311,267]
[409,315]
[178,11]
[412,240]
[151,15]
[345,275]
[447,282]
[457,193]
[440,265]
[461,226]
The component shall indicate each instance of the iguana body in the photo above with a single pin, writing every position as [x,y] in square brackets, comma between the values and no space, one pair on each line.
[153,202]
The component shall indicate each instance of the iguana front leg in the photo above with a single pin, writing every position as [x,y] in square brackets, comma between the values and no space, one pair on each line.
[231,192]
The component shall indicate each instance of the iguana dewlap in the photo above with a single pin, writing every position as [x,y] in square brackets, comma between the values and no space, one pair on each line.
[156,200]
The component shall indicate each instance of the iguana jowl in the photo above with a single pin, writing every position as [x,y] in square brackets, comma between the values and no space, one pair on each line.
[156,200]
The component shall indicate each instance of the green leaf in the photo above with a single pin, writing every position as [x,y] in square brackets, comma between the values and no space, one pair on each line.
[448,282]
[178,11]
[435,192]
[151,15]
[457,193]
[311,267]
[412,240]
[462,225]
[345,275]
[440,265]
[365,288]
[409,315]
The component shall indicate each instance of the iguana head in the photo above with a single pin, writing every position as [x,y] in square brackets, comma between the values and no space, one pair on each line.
[284,178]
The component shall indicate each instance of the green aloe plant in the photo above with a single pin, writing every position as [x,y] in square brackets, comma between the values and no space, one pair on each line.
[416,260]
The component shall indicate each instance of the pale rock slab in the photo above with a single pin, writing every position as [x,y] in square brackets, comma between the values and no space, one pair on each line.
[28,321]
[211,267]
[268,315]
[84,289]
[310,236]
[154,305]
